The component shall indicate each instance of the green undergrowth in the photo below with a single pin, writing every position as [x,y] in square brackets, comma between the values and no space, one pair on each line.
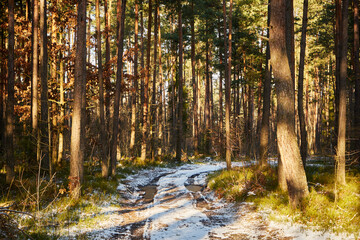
[325,208]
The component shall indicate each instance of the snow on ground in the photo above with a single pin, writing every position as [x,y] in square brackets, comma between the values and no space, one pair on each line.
[178,213]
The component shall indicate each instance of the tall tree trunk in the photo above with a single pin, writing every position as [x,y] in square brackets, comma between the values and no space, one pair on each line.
[193,76]
[44,88]
[121,6]
[264,130]
[103,138]
[338,24]
[53,70]
[357,73]
[207,93]
[303,133]
[3,76]
[162,91]
[78,121]
[146,88]
[153,105]
[62,104]
[286,137]
[179,139]
[107,10]
[35,69]
[9,131]
[227,93]
[341,141]
[135,81]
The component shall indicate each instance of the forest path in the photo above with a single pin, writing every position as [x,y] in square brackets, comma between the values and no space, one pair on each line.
[174,204]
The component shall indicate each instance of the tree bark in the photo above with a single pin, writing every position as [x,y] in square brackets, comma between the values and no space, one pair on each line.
[303,133]
[357,74]
[103,137]
[153,105]
[162,104]
[264,130]
[227,94]
[9,131]
[107,10]
[135,81]
[44,88]
[194,83]
[146,88]
[34,82]
[179,147]
[341,140]
[78,121]
[121,6]
[286,137]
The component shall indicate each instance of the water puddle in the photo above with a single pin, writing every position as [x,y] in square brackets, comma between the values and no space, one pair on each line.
[150,191]
[194,188]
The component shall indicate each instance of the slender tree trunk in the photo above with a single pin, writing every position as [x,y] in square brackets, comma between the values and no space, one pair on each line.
[44,88]
[135,81]
[227,85]
[153,105]
[303,133]
[227,94]
[3,76]
[121,6]
[193,76]
[35,83]
[179,139]
[146,88]
[264,130]
[62,104]
[103,137]
[338,24]
[78,121]
[341,141]
[162,92]
[9,131]
[357,73]
[207,94]
[107,10]
[286,137]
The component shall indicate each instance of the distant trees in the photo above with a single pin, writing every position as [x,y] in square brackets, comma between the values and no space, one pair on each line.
[152,83]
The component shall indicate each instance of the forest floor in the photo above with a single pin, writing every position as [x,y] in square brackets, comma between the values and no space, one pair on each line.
[174,203]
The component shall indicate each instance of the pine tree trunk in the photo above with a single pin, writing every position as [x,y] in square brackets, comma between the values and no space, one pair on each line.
[341,141]
[107,10]
[135,81]
[357,74]
[194,83]
[146,89]
[227,94]
[207,93]
[303,133]
[153,105]
[34,82]
[78,121]
[121,6]
[179,139]
[103,137]
[9,131]
[286,137]
[62,105]
[44,88]
[264,130]
[162,104]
